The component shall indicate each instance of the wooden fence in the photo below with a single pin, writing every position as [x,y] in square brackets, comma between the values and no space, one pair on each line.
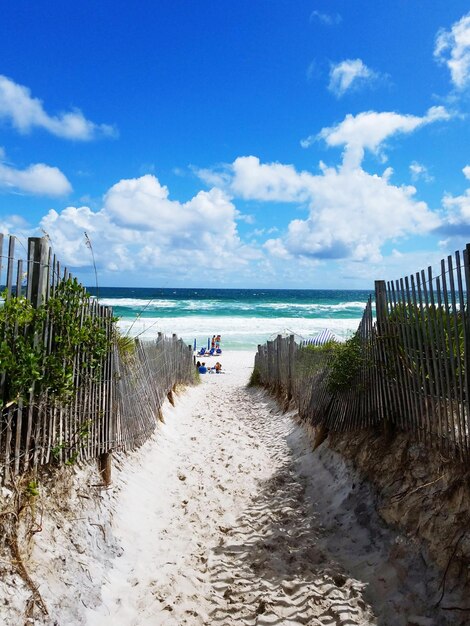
[115,408]
[414,361]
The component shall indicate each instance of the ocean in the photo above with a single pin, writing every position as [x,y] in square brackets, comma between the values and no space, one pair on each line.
[243,317]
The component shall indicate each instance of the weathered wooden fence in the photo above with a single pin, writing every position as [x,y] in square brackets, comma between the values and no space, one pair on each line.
[142,382]
[115,408]
[413,368]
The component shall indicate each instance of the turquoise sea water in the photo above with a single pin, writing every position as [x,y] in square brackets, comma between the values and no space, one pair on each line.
[244,317]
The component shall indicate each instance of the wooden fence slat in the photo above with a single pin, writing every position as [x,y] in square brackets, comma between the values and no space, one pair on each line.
[448,359]
[458,381]
[421,361]
[436,370]
[10,264]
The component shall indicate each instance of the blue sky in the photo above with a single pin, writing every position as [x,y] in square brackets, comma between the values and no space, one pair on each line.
[266,143]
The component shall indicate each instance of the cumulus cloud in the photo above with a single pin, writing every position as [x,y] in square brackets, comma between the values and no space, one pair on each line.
[25,113]
[349,75]
[368,130]
[452,48]
[140,226]
[144,204]
[37,179]
[457,210]
[351,213]
[253,180]
[66,231]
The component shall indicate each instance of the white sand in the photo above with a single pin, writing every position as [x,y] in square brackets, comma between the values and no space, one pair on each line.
[226,517]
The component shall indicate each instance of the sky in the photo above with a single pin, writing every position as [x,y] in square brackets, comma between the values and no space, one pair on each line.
[248,143]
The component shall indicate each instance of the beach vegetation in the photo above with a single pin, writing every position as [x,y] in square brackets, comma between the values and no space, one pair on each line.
[38,346]
[415,334]
[32,489]
[311,359]
[348,360]
[255,378]
[126,346]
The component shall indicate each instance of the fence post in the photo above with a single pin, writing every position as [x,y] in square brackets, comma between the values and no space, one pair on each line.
[466,313]
[290,365]
[38,255]
[381,302]
[269,350]
[278,359]
[104,462]
[382,314]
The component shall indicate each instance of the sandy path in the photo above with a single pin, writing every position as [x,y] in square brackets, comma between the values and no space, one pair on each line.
[226,517]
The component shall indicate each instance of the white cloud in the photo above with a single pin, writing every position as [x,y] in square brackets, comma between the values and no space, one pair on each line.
[14,224]
[330,19]
[349,75]
[144,204]
[66,231]
[211,177]
[140,227]
[420,171]
[258,232]
[452,48]
[351,213]
[457,208]
[368,130]
[38,179]
[247,218]
[275,181]
[276,248]
[25,113]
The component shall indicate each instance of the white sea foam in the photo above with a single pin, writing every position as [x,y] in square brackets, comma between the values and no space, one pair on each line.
[237,332]
[215,305]
[316,306]
[137,303]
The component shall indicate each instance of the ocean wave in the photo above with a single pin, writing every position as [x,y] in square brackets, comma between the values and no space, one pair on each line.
[136,306]
[135,303]
[313,306]
[236,332]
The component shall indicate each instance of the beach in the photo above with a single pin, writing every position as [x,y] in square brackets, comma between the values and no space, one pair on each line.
[226,516]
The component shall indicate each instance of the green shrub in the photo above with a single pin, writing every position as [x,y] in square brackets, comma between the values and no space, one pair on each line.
[346,364]
[311,359]
[39,346]
[255,378]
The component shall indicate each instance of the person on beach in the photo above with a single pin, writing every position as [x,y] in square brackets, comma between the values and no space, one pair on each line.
[218,367]
[198,364]
[203,368]
[217,342]
[213,342]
